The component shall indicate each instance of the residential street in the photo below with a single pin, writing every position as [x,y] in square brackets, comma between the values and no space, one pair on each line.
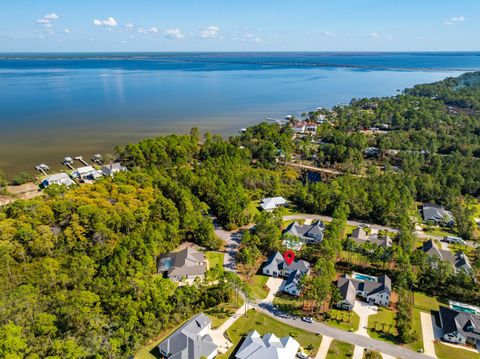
[232,243]
[348,337]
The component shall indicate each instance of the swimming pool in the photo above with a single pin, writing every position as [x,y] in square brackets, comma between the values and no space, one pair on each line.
[466,308]
[364,277]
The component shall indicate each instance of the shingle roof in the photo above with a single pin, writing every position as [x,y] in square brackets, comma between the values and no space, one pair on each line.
[313,230]
[435,212]
[279,263]
[466,324]
[187,342]
[347,289]
[268,347]
[187,262]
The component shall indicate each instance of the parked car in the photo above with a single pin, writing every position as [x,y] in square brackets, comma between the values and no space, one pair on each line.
[302,355]
[307,319]
[453,239]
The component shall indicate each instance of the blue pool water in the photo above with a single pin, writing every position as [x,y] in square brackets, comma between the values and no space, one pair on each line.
[364,277]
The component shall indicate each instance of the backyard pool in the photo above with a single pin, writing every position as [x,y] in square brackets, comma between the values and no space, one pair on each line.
[466,308]
[364,277]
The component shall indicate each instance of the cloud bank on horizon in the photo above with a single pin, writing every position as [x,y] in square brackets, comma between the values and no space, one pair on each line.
[215,25]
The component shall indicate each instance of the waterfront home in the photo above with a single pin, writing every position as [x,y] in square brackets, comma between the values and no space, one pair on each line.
[58,178]
[299,126]
[276,266]
[268,347]
[87,173]
[375,290]
[112,168]
[186,264]
[436,214]
[307,233]
[460,327]
[269,204]
[191,341]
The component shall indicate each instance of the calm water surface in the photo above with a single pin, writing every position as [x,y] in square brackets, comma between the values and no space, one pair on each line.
[52,106]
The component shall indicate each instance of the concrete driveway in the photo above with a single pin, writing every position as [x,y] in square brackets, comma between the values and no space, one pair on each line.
[275,284]
[364,310]
[427,320]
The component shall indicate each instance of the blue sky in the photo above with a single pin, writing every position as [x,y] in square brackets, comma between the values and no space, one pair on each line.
[239,25]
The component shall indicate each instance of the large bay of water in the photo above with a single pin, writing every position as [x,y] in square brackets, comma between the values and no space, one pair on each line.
[57,105]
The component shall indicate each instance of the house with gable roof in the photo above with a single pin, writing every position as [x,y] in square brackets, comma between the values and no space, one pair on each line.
[306,233]
[268,347]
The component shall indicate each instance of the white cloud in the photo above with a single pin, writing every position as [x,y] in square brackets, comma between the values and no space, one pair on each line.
[210,32]
[251,38]
[129,25]
[453,20]
[153,30]
[141,30]
[67,31]
[110,22]
[51,16]
[327,33]
[374,35]
[47,20]
[173,34]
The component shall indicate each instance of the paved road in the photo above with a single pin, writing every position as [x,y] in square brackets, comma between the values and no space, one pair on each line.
[427,332]
[321,169]
[352,338]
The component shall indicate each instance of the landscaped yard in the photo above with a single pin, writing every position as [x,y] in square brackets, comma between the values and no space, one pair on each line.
[438,231]
[265,324]
[214,258]
[288,303]
[343,319]
[382,325]
[446,352]
[340,350]
[257,285]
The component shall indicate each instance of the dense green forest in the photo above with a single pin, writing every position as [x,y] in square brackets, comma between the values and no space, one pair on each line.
[79,265]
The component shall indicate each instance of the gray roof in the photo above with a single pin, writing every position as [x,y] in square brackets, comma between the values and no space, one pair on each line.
[184,263]
[384,283]
[466,324]
[347,289]
[188,342]
[458,260]
[307,230]
[294,278]
[58,178]
[382,241]
[359,233]
[436,213]
[276,259]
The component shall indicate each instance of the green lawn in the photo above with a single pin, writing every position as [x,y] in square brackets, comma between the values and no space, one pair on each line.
[439,231]
[383,325]
[222,312]
[253,208]
[288,303]
[343,319]
[214,258]
[422,303]
[340,350]
[257,284]
[265,324]
[369,354]
[446,352]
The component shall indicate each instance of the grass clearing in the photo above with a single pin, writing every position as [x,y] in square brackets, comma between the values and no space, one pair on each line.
[343,319]
[383,325]
[214,258]
[447,352]
[257,285]
[340,350]
[265,324]
[222,312]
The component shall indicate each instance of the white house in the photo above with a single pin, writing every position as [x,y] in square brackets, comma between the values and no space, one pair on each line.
[87,173]
[375,290]
[268,347]
[460,327]
[58,178]
[269,204]
[276,266]
[112,168]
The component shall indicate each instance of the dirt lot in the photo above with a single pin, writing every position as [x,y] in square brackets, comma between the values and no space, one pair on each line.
[25,191]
